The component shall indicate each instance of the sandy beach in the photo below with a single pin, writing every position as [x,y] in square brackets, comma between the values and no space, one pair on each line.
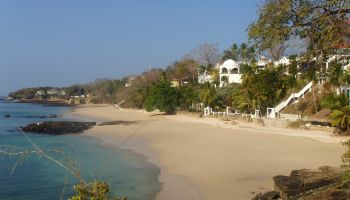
[208,158]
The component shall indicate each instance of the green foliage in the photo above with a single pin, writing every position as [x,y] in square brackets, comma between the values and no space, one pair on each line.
[188,95]
[260,90]
[242,52]
[322,23]
[341,118]
[337,76]
[162,96]
[139,97]
[334,101]
[94,191]
[207,94]
[223,95]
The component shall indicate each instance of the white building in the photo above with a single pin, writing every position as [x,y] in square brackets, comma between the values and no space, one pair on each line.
[205,77]
[52,92]
[40,92]
[63,93]
[262,62]
[230,72]
[283,61]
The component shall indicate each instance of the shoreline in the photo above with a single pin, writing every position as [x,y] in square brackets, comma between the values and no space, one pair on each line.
[171,183]
[191,170]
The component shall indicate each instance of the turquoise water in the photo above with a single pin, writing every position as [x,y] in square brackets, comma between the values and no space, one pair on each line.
[37,178]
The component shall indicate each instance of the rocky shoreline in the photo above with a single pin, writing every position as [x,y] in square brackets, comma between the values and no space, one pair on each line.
[44,102]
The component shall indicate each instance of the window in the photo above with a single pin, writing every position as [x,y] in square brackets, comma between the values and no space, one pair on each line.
[234,71]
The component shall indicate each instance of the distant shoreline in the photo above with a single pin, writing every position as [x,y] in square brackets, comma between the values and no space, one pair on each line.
[43,102]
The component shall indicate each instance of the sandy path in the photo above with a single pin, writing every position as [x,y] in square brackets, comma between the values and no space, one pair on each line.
[201,161]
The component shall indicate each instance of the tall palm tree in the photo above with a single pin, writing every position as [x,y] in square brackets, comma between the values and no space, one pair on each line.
[248,72]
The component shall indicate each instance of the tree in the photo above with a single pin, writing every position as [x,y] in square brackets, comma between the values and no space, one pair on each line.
[151,75]
[341,118]
[207,94]
[246,53]
[139,97]
[243,52]
[320,22]
[206,54]
[188,95]
[292,72]
[260,90]
[184,69]
[334,101]
[337,76]
[162,96]
[231,53]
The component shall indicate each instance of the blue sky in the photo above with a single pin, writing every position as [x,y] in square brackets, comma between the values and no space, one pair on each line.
[59,43]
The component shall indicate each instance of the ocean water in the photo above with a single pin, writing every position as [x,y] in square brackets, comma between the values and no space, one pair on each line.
[36,178]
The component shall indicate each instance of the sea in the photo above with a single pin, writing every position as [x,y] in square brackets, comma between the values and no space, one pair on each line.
[27,175]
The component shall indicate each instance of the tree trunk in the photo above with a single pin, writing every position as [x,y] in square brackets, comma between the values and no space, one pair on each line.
[314,99]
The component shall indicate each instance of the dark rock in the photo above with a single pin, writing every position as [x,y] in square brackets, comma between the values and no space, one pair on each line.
[58,127]
[41,116]
[321,123]
[271,195]
[287,186]
[7,116]
[301,181]
[120,122]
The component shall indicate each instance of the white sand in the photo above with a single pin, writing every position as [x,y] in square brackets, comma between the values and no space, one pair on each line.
[212,159]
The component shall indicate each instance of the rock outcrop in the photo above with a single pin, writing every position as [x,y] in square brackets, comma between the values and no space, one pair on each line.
[323,183]
[58,127]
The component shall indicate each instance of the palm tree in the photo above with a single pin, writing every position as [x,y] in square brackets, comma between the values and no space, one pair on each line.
[341,118]
[232,53]
[248,72]
[243,52]
[337,76]
[207,94]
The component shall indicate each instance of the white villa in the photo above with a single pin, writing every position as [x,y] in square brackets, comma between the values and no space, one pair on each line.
[230,72]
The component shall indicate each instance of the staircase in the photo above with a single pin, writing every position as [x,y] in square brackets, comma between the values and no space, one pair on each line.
[271,112]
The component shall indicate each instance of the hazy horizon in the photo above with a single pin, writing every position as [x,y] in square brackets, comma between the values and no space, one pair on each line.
[62,43]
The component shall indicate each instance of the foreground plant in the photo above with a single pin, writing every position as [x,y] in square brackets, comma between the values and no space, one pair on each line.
[341,118]
[94,191]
